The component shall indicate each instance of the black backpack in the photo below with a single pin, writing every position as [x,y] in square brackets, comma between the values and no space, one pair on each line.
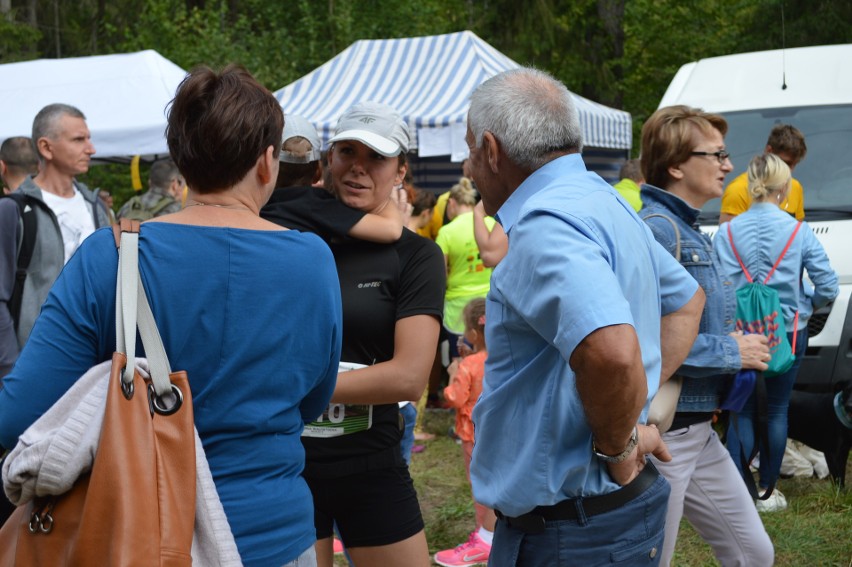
[27,206]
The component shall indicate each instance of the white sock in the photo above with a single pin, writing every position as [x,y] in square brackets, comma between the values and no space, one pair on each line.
[485,535]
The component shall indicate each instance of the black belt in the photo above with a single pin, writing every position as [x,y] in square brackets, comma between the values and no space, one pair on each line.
[534,522]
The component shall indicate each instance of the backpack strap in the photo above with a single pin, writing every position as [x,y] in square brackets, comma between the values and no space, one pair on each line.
[25,251]
[164,202]
[676,231]
[772,271]
[737,255]
[783,252]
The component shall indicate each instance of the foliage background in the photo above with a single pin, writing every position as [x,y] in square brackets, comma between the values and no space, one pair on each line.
[617,52]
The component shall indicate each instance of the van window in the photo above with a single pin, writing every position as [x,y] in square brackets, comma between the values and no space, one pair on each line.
[826,171]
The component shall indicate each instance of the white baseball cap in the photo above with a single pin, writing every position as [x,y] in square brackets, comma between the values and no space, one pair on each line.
[376,125]
[296,126]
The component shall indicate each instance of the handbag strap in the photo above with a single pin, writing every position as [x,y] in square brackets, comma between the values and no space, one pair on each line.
[132,311]
[674,226]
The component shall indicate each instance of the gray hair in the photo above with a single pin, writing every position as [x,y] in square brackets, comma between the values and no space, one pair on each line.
[46,121]
[162,173]
[529,112]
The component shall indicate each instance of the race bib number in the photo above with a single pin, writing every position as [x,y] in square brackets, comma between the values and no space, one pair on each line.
[341,419]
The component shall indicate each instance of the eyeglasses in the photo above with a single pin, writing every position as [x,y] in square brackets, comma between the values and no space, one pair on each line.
[721,155]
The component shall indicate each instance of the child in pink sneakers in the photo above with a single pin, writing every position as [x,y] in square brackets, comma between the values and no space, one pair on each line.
[462,393]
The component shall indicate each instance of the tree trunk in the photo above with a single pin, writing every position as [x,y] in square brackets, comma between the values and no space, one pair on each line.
[6,9]
[611,13]
[56,28]
[32,19]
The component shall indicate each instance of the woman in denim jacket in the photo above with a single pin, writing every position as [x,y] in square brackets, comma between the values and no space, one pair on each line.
[684,163]
[760,235]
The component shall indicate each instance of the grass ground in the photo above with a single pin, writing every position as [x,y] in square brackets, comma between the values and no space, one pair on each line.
[816,529]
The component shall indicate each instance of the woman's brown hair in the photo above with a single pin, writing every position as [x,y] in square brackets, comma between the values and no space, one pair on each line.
[667,139]
[219,125]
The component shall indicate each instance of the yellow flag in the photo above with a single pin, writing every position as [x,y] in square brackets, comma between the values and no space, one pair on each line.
[135,177]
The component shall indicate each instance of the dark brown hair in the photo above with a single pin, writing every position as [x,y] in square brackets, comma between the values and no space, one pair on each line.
[219,125]
[667,139]
[423,200]
[788,139]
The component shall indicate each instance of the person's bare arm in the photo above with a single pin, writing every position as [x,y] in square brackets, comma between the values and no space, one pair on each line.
[401,378]
[492,244]
[612,386]
[385,226]
[677,333]
[725,217]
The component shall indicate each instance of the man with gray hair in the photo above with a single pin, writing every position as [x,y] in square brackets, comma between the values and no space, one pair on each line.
[165,184]
[46,219]
[586,314]
[18,160]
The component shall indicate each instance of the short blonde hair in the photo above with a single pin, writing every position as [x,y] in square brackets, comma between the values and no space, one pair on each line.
[768,176]
[667,139]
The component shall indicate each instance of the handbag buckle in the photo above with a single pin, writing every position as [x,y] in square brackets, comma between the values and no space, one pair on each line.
[41,520]
[156,403]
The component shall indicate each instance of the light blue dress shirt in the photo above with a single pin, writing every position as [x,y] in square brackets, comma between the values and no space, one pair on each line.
[760,235]
[579,259]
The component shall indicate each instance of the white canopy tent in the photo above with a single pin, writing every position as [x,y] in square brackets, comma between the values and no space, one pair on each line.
[429,80]
[123,96]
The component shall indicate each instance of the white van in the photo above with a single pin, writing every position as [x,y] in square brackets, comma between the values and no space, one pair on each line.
[810,88]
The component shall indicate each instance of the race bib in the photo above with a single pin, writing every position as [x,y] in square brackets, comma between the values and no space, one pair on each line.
[341,419]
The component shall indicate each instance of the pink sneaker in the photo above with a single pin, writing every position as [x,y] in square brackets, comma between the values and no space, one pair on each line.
[337,546]
[473,552]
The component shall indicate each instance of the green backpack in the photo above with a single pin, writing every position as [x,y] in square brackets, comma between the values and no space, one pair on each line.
[759,311]
[136,211]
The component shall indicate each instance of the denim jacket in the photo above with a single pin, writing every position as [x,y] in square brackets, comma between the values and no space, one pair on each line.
[714,356]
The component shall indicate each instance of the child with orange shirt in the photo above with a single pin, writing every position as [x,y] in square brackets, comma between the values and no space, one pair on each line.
[465,387]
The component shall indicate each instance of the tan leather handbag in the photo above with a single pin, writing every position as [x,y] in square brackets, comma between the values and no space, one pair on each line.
[137,506]
[664,404]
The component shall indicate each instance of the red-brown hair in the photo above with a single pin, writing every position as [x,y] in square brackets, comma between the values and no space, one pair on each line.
[219,125]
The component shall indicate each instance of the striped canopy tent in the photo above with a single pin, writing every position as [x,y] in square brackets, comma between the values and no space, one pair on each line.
[429,81]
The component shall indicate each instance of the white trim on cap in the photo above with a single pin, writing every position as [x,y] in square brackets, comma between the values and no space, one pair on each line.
[382,145]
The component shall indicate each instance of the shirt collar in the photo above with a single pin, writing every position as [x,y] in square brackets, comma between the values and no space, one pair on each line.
[535,182]
[675,204]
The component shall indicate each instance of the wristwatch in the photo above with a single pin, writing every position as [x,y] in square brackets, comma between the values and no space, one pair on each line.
[631,444]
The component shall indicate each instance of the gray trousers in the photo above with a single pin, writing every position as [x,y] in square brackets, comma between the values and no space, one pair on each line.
[708,490]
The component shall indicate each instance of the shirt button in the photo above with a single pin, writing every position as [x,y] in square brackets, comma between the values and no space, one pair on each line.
[653,553]
[695,257]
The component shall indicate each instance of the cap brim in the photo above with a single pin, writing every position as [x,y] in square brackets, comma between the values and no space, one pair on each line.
[311,156]
[380,144]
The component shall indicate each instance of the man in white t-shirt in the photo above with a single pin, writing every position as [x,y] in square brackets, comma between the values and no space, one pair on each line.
[59,210]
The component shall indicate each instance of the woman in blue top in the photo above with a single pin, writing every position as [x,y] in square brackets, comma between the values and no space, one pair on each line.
[251,311]
[684,162]
[760,235]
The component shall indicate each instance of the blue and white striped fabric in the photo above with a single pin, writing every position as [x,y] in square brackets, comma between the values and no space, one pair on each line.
[429,81]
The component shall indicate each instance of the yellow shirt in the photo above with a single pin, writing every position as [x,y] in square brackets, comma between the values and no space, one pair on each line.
[630,190]
[736,199]
[437,221]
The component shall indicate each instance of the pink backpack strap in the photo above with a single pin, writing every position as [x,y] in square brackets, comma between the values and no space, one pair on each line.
[737,255]
[783,252]
[772,271]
